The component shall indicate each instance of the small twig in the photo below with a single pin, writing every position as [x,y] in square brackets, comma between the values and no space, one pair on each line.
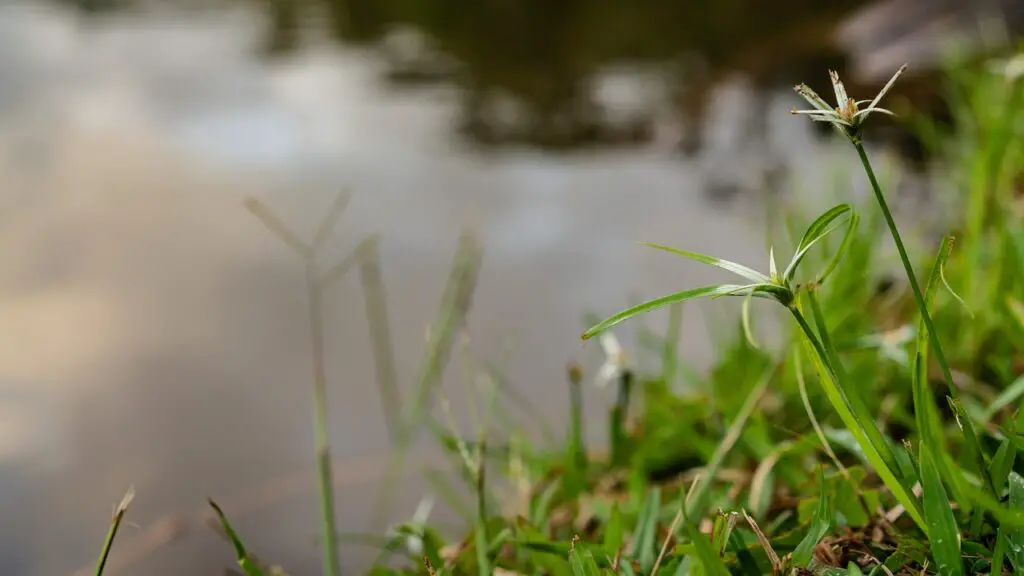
[773,558]
[671,534]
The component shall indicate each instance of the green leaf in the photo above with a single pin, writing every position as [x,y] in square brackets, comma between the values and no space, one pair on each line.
[999,553]
[938,513]
[748,273]
[1015,536]
[645,544]
[927,420]
[1009,395]
[613,535]
[1002,463]
[816,231]
[582,562]
[853,570]
[748,331]
[712,563]
[718,290]
[844,247]
[244,560]
[804,552]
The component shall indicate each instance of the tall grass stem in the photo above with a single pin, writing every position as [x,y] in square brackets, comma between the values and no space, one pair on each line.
[973,446]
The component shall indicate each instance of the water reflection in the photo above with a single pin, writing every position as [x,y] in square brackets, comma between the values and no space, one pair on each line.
[533,72]
[155,333]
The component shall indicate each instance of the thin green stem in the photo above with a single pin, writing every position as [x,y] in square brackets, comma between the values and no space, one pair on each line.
[332,565]
[973,446]
[918,295]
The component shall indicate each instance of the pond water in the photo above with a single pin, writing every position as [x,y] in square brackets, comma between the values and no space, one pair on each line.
[155,333]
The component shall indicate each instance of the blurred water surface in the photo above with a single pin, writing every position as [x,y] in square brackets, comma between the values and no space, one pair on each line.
[155,333]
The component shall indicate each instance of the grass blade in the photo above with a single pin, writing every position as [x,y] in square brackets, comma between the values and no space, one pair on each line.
[942,529]
[115,525]
[804,552]
[325,472]
[705,291]
[375,298]
[999,552]
[452,311]
[712,563]
[670,346]
[645,543]
[1009,395]
[244,561]
[613,534]
[582,562]
[1015,536]
[739,269]
[816,231]
[844,247]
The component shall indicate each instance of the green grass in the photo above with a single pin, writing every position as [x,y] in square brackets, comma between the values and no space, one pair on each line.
[878,436]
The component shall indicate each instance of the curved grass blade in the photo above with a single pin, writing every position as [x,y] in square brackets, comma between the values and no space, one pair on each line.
[748,331]
[804,552]
[705,291]
[748,273]
[816,231]
[244,560]
[844,247]
[1009,395]
[943,533]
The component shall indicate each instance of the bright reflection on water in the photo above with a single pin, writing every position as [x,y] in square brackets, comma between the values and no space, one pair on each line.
[155,333]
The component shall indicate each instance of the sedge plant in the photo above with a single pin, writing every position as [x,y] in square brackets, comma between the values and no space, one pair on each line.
[931,469]
[783,288]
[848,118]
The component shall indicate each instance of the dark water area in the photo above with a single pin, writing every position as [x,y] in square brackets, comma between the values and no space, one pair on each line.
[530,72]
[156,334]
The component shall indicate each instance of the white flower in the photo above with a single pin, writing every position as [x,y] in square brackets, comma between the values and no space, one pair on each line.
[616,362]
[1012,69]
[847,116]
[414,529]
